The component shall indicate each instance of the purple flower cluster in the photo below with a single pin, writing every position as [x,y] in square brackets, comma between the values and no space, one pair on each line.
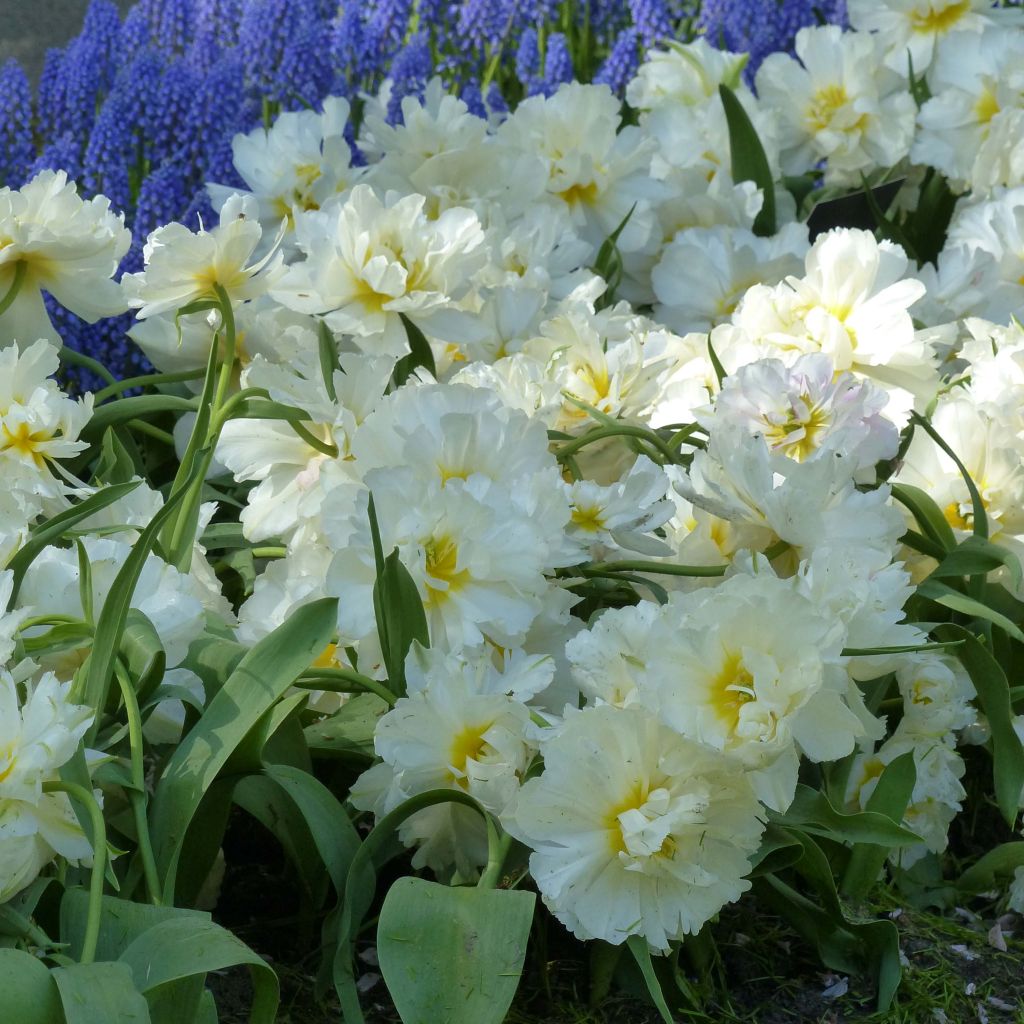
[761,27]
[144,110]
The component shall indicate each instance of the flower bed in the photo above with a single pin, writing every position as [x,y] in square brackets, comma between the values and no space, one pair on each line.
[543,513]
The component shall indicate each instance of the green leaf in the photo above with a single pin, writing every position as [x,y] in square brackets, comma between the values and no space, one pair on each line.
[124,409]
[143,654]
[928,515]
[121,922]
[271,807]
[30,994]
[891,796]
[328,351]
[995,866]
[842,944]
[93,688]
[178,949]
[100,993]
[994,696]
[608,265]
[778,850]
[978,556]
[716,363]
[420,354]
[258,681]
[402,607]
[349,732]
[638,947]
[335,836]
[935,205]
[942,594]
[887,227]
[116,465]
[977,505]
[397,607]
[360,884]
[213,658]
[54,528]
[811,811]
[452,954]
[749,162]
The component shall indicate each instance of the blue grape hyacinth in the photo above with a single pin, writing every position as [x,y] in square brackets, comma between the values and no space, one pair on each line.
[144,109]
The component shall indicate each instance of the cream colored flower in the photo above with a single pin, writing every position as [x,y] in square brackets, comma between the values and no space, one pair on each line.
[837,103]
[69,247]
[37,736]
[183,266]
[634,829]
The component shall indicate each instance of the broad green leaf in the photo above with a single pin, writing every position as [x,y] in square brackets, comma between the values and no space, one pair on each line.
[843,944]
[402,605]
[811,811]
[143,654]
[778,850]
[116,465]
[360,884]
[928,515]
[224,536]
[29,993]
[452,954]
[994,696]
[978,556]
[935,205]
[638,947]
[178,949]
[336,839]
[420,354]
[93,687]
[54,528]
[349,732]
[213,658]
[100,993]
[957,602]
[121,922]
[749,162]
[994,867]
[261,797]
[891,796]
[258,681]
[397,607]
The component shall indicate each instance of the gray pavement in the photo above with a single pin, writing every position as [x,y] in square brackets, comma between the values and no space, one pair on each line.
[29,27]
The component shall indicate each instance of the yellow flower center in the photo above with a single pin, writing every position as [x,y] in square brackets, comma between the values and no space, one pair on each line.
[938,22]
[731,688]
[229,278]
[824,105]
[442,566]
[808,430]
[467,745]
[24,441]
[959,515]
[590,520]
[635,800]
[579,193]
[327,658]
[987,106]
